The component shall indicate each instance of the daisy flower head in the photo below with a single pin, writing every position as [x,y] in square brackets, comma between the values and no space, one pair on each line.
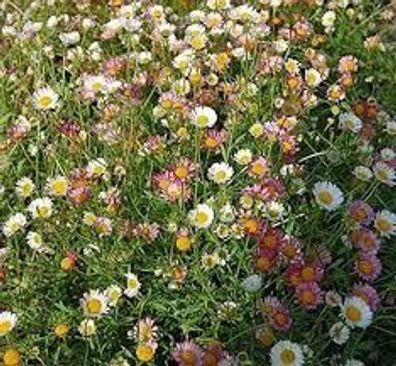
[8,322]
[339,333]
[87,328]
[24,187]
[35,241]
[368,294]
[309,294]
[356,312]
[145,351]
[203,117]
[277,314]
[146,331]
[45,99]
[385,223]
[328,195]
[133,285]
[243,156]
[14,223]
[41,208]
[188,353]
[385,173]
[368,266]
[313,77]
[361,212]
[113,293]
[94,304]
[363,173]
[220,173]
[286,353]
[202,216]
[57,186]
[350,122]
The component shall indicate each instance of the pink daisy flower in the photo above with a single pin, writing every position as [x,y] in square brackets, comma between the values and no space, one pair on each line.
[368,267]
[368,294]
[309,295]
[188,354]
[365,240]
[277,314]
[361,212]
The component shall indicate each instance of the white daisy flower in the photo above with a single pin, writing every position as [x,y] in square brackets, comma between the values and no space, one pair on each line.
[113,293]
[286,353]
[95,84]
[87,328]
[94,304]
[8,322]
[363,173]
[328,195]
[35,241]
[385,223]
[203,117]
[329,18]
[349,121]
[24,187]
[339,333]
[14,223]
[356,312]
[243,157]
[390,128]
[41,208]
[388,154]
[384,173]
[57,186]
[313,77]
[97,167]
[202,216]
[220,173]
[227,213]
[133,285]
[45,99]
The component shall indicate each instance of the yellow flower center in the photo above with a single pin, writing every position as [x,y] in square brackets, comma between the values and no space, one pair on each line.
[308,297]
[258,168]
[365,267]
[11,357]
[45,101]
[183,243]
[188,358]
[181,172]
[5,326]
[94,306]
[202,120]
[97,86]
[353,314]
[201,217]
[287,357]
[43,211]
[132,283]
[59,188]
[220,175]
[383,225]
[325,197]
[308,274]
[198,42]
[144,352]
[61,330]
